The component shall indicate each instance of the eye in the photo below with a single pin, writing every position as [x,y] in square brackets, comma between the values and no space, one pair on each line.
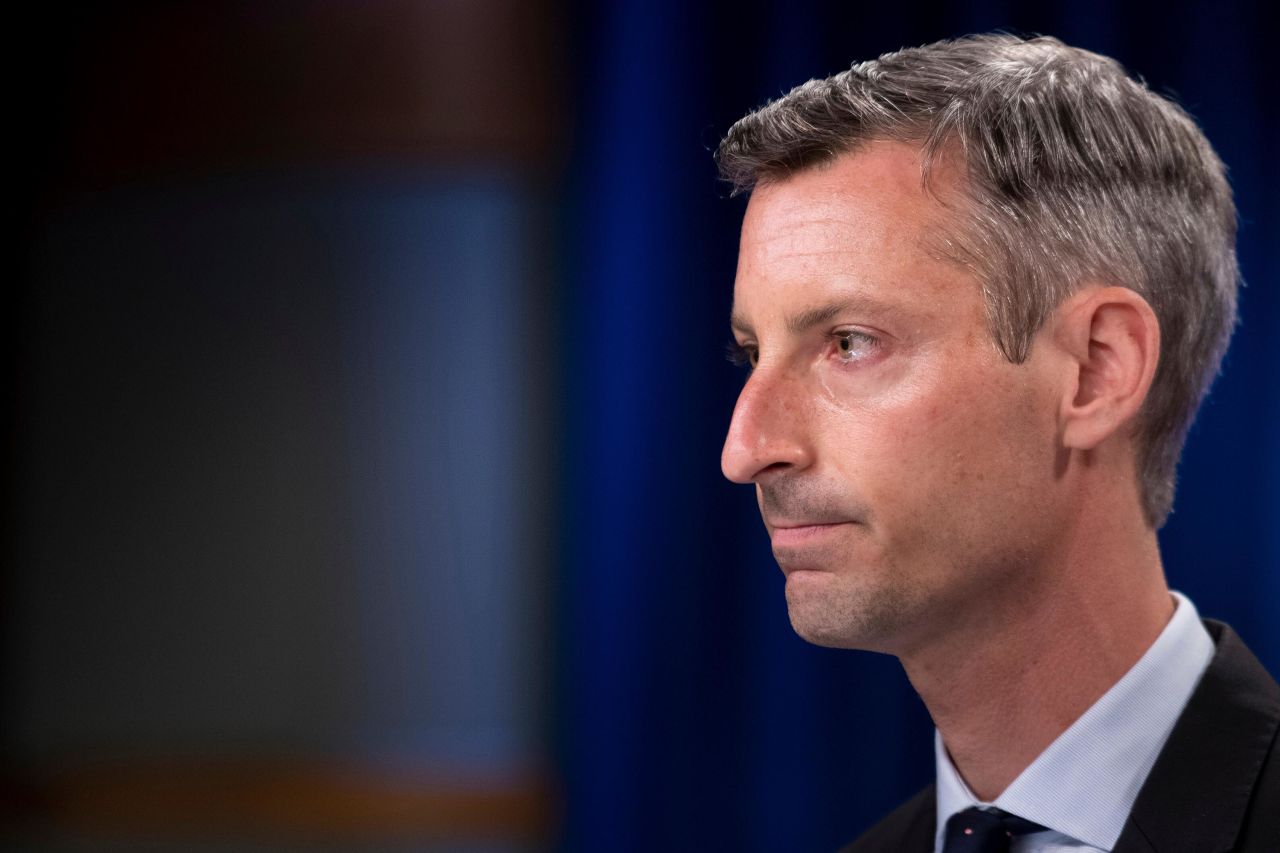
[854,346]
[743,355]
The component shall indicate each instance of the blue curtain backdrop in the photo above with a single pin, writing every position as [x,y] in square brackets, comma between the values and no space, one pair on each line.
[691,718]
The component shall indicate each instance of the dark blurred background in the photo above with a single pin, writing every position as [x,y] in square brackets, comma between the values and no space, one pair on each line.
[367,392]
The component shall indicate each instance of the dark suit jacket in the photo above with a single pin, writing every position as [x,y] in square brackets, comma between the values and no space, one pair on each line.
[1215,786]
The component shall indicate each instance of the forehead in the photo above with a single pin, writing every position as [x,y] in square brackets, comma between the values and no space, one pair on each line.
[862,225]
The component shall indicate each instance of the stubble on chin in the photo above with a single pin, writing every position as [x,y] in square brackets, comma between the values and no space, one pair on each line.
[828,609]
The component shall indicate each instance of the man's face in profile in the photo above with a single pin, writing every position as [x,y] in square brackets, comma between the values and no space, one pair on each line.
[903,466]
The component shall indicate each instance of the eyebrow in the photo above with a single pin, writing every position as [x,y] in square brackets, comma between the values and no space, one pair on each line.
[800,323]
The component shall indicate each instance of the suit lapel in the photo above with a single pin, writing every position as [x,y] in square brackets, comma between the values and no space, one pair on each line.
[1198,791]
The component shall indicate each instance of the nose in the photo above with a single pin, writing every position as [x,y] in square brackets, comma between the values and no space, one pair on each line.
[767,432]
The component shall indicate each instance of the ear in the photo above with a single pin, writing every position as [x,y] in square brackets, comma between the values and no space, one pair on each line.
[1112,340]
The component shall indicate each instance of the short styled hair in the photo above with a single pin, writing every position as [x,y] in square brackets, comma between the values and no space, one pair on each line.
[1075,172]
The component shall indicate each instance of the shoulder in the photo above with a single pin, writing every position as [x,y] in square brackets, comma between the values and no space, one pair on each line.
[1261,828]
[907,829]
[1216,784]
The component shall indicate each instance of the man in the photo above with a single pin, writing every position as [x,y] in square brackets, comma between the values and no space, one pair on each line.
[982,288]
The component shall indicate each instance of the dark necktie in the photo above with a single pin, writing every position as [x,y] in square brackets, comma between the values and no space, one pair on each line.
[976,831]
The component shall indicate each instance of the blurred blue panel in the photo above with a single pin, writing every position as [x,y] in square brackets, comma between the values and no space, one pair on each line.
[279,481]
[440,356]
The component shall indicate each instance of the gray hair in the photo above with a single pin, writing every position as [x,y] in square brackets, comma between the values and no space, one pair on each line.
[1075,172]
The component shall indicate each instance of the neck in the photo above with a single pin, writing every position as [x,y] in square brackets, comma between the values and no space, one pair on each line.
[1001,688]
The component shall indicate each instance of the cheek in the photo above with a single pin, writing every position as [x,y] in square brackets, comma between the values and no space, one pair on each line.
[985,496]
[991,441]
[957,457]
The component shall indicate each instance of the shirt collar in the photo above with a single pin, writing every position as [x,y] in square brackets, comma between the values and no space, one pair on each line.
[1084,783]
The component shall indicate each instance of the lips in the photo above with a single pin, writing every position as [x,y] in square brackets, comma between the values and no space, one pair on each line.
[798,534]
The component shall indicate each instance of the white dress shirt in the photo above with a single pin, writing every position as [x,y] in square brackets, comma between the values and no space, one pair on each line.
[1082,787]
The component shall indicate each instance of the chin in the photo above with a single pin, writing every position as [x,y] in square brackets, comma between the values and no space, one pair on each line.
[829,613]
[821,635]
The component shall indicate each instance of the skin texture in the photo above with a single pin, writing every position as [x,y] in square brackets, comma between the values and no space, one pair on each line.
[925,497]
